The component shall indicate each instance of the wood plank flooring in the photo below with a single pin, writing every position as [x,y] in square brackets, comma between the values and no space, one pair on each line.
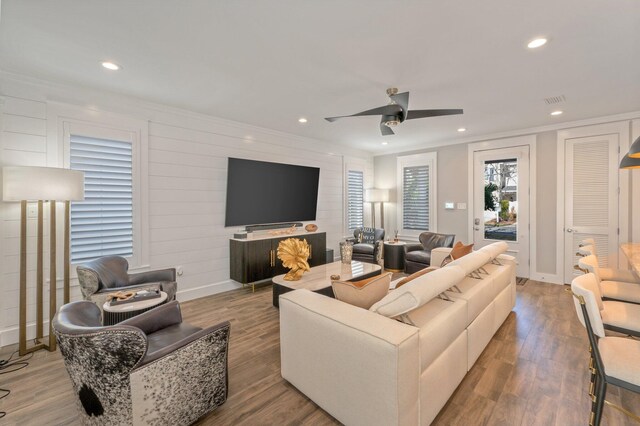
[533,372]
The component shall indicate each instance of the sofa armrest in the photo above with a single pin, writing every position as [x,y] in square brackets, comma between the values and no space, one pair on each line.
[188,383]
[412,247]
[201,334]
[334,352]
[156,319]
[168,274]
[438,254]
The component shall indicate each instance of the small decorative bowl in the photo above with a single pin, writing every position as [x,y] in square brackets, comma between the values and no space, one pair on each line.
[312,227]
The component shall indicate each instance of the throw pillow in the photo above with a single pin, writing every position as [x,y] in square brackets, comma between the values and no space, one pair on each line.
[459,250]
[368,235]
[362,293]
[415,275]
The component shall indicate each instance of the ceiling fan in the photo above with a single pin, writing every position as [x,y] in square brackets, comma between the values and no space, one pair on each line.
[397,111]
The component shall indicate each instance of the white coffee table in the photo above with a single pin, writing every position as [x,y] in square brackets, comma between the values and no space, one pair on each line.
[318,279]
[114,314]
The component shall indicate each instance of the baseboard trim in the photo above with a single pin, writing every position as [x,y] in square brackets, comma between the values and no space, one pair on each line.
[547,278]
[207,290]
[10,335]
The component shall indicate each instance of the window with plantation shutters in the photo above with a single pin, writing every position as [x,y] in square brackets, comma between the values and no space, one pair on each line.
[416,194]
[355,199]
[415,198]
[102,224]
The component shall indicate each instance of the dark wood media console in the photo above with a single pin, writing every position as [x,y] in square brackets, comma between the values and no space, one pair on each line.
[253,260]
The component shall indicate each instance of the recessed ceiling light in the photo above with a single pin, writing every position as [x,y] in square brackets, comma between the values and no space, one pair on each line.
[385,143]
[556,112]
[302,120]
[462,129]
[537,42]
[111,66]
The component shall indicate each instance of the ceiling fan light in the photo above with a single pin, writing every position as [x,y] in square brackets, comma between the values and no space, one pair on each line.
[392,123]
[634,151]
[629,163]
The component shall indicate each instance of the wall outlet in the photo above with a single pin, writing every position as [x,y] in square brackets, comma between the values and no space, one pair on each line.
[179,270]
[462,206]
[32,211]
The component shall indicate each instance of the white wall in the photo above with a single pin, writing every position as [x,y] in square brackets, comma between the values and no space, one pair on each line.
[453,186]
[186,181]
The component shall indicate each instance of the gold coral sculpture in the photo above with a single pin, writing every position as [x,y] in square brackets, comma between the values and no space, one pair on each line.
[294,254]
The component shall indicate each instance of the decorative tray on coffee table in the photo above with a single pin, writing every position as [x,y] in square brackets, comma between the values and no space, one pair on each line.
[139,296]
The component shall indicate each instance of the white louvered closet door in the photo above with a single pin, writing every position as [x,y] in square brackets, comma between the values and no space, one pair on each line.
[591,198]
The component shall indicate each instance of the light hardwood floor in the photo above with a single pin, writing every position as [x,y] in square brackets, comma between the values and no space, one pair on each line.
[533,372]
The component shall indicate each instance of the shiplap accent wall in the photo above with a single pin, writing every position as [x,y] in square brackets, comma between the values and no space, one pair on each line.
[22,143]
[187,160]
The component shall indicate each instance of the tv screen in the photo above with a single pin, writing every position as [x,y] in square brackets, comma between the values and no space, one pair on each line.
[259,192]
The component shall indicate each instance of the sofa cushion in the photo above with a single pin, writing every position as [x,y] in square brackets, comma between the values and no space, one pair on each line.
[413,276]
[440,323]
[478,293]
[419,256]
[363,248]
[418,292]
[363,293]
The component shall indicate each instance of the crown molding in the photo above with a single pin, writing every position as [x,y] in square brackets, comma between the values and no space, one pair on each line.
[66,93]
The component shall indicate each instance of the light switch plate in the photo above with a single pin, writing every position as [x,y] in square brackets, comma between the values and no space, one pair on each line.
[449,206]
[462,206]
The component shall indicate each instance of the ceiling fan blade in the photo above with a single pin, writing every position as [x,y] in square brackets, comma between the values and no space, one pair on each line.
[383,110]
[386,130]
[424,113]
[402,99]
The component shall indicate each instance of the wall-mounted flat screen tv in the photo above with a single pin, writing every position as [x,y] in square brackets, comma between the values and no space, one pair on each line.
[259,192]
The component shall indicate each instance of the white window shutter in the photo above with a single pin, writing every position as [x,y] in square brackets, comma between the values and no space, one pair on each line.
[415,198]
[102,224]
[355,199]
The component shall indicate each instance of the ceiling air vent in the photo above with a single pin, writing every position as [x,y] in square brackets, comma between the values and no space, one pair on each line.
[555,100]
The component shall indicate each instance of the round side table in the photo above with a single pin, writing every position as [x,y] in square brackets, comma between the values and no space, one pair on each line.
[394,256]
[118,313]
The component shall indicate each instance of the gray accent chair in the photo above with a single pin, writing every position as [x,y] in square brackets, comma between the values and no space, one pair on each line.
[107,275]
[367,244]
[418,256]
[150,369]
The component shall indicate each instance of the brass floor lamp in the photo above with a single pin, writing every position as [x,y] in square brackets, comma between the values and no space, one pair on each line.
[40,184]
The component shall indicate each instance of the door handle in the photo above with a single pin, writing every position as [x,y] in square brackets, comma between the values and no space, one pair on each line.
[569,230]
[271,261]
[310,251]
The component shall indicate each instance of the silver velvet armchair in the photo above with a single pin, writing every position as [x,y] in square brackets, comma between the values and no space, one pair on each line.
[150,369]
[107,275]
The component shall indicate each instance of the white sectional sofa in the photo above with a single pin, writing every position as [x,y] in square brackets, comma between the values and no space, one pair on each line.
[399,362]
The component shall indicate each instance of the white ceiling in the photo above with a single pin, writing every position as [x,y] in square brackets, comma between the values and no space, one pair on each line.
[269,62]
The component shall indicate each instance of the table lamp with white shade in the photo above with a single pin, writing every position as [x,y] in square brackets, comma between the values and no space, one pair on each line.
[374,195]
[40,184]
